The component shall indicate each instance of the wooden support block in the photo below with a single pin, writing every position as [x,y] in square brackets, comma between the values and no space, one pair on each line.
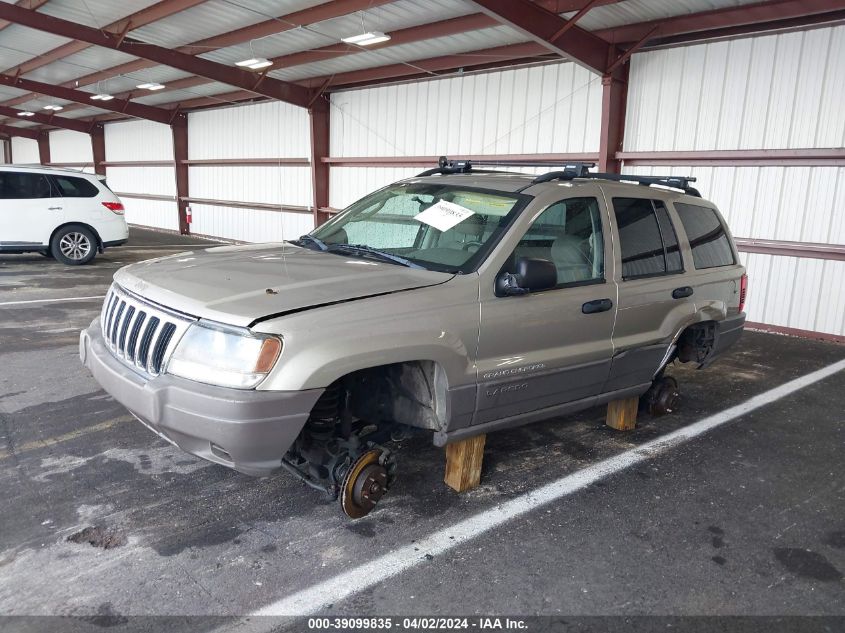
[622,414]
[463,463]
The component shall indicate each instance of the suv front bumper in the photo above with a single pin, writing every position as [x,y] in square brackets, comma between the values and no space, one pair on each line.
[247,430]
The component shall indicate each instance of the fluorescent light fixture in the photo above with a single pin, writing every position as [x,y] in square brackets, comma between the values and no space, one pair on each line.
[26,113]
[102,97]
[55,108]
[151,86]
[255,63]
[366,39]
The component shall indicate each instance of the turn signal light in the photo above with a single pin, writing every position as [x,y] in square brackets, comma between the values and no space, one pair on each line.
[114,207]
[743,291]
[270,350]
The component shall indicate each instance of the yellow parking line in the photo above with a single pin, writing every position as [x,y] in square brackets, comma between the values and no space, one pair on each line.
[51,441]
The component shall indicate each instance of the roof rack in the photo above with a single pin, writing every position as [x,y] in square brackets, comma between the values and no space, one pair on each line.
[466,166]
[570,171]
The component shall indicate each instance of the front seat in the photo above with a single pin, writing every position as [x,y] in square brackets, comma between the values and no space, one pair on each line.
[571,261]
[465,235]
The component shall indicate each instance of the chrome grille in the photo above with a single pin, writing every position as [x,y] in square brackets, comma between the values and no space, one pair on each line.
[141,334]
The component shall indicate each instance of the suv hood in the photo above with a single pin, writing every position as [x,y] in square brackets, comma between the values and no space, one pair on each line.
[239,284]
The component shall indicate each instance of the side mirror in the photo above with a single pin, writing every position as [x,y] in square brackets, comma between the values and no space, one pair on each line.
[532,275]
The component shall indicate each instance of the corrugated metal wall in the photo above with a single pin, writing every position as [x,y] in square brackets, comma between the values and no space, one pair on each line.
[24,151]
[265,131]
[143,141]
[550,108]
[67,146]
[780,91]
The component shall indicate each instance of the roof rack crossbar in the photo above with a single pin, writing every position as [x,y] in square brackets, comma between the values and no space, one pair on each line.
[464,166]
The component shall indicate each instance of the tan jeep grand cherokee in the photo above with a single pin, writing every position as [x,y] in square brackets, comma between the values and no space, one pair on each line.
[458,302]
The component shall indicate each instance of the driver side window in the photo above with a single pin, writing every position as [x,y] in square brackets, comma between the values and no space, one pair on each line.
[568,234]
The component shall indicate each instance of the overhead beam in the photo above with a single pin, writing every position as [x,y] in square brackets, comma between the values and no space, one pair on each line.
[523,51]
[139,110]
[551,31]
[158,11]
[409,35]
[77,125]
[753,16]
[28,4]
[568,6]
[24,132]
[268,87]
[325,11]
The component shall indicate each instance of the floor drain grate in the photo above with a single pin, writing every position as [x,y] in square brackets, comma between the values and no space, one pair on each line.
[98,536]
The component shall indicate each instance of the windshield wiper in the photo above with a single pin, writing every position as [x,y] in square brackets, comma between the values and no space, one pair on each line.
[369,250]
[310,239]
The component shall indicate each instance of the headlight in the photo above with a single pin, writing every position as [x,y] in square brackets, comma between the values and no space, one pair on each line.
[224,356]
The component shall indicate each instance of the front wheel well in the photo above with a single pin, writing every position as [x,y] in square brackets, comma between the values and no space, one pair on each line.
[411,393]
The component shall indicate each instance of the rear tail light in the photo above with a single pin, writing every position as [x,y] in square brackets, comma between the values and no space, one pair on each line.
[743,291]
[114,207]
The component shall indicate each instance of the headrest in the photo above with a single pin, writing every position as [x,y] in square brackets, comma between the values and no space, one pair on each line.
[567,251]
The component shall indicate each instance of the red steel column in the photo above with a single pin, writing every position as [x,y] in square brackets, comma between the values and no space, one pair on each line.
[318,116]
[44,148]
[614,96]
[179,127]
[98,148]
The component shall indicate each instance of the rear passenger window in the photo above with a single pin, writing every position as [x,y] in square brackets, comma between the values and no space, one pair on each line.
[72,187]
[15,185]
[649,246]
[708,239]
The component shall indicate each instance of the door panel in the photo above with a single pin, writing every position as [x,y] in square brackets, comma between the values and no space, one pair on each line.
[28,210]
[544,349]
[654,298]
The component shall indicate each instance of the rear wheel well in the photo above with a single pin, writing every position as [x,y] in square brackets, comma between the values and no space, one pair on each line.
[696,343]
[82,224]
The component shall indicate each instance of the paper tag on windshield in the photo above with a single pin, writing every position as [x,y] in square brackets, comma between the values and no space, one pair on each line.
[444,215]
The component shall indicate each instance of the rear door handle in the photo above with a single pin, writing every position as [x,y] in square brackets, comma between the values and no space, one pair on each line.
[54,208]
[597,305]
[682,292]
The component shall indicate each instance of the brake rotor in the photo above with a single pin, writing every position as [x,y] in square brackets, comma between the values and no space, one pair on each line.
[666,397]
[364,485]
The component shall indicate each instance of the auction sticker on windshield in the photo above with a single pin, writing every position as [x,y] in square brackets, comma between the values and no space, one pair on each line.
[443,215]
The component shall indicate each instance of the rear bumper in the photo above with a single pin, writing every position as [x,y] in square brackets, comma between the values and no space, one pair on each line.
[247,430]
[115,243]
[729,331]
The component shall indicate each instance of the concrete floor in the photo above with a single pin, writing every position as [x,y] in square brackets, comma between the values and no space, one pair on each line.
[747,519]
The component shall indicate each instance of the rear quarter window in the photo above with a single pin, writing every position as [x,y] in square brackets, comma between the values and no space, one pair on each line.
[708,239]
[73,187]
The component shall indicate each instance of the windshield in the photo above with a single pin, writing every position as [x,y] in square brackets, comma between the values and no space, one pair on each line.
[438,227]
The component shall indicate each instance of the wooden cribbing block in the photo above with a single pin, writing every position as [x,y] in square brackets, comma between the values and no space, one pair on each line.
[463,463]
[622,414]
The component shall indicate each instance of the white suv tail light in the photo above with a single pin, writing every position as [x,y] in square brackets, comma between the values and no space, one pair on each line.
[114,207]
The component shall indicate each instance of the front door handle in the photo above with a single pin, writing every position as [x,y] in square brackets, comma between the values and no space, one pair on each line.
[54,208]
[682,292]
[597,305]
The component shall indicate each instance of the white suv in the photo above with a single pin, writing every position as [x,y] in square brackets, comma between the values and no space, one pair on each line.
[63,213]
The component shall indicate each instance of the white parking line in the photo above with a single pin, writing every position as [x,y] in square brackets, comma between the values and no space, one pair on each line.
[357,579]
[18,303]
